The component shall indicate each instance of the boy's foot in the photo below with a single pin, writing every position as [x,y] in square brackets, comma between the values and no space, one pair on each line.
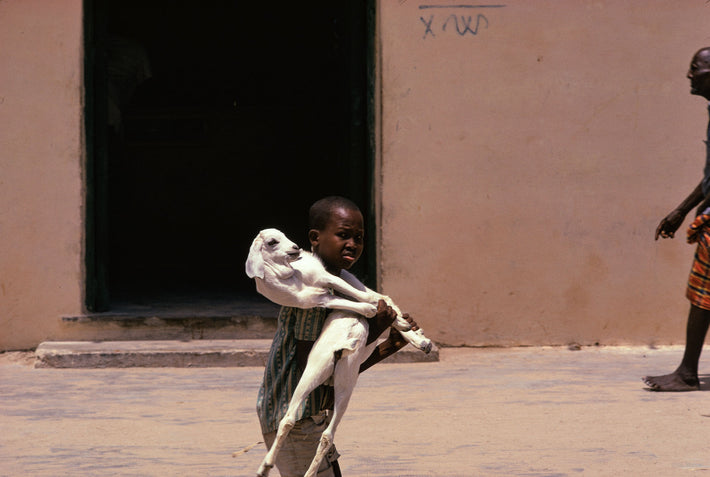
[673,382]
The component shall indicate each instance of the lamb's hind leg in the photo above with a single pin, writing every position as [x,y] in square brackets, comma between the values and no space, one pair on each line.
[318,369]
[417,339]
[344,380]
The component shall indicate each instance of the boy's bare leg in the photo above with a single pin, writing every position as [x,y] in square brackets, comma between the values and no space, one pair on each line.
[685,378]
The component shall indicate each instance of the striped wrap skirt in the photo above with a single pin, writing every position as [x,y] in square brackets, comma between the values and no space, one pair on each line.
[698,291]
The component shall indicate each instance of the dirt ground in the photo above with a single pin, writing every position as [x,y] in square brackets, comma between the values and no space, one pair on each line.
[477,412]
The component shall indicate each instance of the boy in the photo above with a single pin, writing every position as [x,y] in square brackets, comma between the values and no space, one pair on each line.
[336,236]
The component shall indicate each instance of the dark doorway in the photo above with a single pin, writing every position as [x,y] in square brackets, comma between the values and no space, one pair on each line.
[210,121]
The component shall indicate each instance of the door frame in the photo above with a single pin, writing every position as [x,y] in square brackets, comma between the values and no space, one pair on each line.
[360,183]
[96,291]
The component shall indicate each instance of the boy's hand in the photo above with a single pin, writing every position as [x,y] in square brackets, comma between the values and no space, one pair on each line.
[381,321]
[396,339]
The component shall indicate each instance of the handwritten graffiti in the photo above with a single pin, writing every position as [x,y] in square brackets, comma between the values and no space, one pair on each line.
[462,28]
[462,25]
[428,26]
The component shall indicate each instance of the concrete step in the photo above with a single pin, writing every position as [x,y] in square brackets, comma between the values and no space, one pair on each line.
[190,318]
[172,353]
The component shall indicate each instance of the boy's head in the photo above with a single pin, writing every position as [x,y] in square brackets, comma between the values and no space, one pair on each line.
[336,232]
[699,73]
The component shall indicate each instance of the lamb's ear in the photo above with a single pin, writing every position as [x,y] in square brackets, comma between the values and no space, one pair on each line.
[255,262]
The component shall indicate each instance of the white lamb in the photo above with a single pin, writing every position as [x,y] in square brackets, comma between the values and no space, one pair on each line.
[290,277]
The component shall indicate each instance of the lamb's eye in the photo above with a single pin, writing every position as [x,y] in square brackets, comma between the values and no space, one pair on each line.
[272,242]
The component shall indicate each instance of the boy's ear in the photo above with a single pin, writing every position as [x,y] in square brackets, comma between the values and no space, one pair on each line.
[313,236]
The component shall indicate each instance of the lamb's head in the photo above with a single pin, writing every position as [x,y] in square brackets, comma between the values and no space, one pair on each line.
[273,249]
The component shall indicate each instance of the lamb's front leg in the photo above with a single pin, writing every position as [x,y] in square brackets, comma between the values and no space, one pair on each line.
[367,310]
[338,284]
[400,324]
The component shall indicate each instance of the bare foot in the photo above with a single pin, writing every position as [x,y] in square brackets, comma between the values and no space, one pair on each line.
[674,382]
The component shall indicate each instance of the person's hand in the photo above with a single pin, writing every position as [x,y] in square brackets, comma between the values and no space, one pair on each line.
[396,339]
[670,224]
[381,321]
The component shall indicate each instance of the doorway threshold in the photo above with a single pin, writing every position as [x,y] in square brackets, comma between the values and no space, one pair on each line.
[198,304]
[181,316]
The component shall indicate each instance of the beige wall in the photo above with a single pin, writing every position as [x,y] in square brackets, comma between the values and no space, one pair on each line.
[40,168]
[525,169]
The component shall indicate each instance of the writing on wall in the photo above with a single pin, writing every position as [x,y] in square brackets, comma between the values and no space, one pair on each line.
[463,20]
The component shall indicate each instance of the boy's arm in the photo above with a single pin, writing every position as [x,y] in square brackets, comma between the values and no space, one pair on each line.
[385,314]
[391,345]
[381,321]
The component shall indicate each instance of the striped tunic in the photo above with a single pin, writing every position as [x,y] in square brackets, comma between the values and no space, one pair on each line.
[282,374]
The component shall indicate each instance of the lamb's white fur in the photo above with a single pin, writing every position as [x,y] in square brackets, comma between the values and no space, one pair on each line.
[290,277]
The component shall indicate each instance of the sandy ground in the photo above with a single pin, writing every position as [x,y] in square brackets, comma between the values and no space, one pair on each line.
[477,412]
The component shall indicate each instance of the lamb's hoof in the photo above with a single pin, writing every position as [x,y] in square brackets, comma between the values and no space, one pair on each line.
[370,311]
[264,470]
[426,347]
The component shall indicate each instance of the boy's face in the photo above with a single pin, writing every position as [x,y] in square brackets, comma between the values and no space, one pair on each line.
[340,243]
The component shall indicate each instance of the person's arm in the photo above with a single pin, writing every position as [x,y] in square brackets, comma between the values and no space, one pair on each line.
[391,345]
[381,321]
[671,222]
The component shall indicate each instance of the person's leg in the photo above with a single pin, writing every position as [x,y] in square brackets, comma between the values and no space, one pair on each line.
[336,469]
[685,377]
[300,447]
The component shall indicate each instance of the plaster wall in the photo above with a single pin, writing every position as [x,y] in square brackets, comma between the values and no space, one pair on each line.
[528,152]
[40,168]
